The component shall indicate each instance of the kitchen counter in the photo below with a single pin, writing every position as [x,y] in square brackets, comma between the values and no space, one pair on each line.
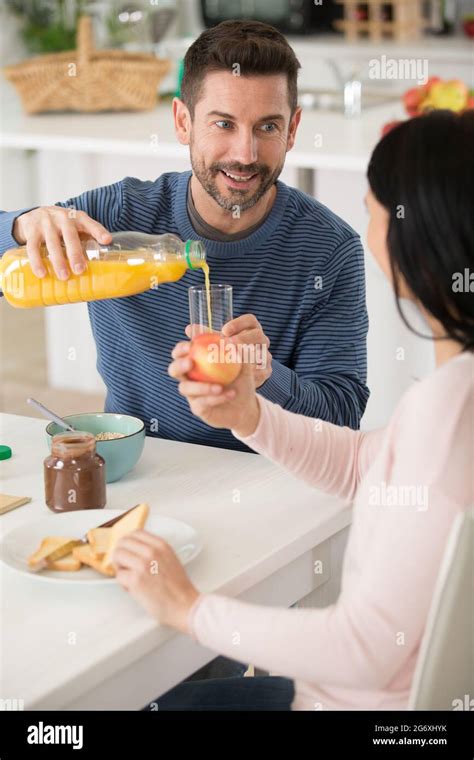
[325,140]
[67,646]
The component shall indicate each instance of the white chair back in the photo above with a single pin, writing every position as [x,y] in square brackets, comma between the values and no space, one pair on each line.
[444,674]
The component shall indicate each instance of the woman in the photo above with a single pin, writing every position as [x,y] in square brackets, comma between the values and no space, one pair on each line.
[407,481]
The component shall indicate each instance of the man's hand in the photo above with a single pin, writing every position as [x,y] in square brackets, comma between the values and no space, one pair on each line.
[247,330]
[55,226]
[147,567]
[235,406]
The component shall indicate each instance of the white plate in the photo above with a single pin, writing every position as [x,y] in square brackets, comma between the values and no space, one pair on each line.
[18,544]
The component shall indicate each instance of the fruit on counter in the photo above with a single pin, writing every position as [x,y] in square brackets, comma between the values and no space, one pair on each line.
[413,98]
[214,359]
[389,126]
[436,93]
[452,95]
[431,81]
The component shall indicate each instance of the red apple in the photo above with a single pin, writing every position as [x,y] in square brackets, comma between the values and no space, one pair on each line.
[213,358]
[470,100]
[431,81]
[412,99]
[389,126]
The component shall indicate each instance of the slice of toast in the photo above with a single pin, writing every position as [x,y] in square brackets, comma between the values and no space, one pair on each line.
[87,556]
[67,563]
[134,520]
[47,545]
[99,539]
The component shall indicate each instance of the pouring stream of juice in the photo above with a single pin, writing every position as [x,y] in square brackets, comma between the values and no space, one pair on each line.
[207,282]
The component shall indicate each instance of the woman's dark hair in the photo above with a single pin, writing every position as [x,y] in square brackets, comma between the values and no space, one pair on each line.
[256,47]
[422,172]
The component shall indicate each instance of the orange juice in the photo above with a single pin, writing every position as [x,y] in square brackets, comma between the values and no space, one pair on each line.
[125,276]
[207,282]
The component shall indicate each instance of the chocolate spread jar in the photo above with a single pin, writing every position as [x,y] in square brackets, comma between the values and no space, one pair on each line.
[74,474]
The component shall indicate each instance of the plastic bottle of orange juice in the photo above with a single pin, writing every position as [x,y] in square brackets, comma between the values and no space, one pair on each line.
[133,263]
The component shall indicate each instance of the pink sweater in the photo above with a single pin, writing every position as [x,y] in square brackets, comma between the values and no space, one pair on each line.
[407,483]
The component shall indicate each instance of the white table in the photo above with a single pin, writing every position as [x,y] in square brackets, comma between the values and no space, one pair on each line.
[263,530]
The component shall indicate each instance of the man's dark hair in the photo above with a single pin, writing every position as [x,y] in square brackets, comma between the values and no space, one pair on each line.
[256,47]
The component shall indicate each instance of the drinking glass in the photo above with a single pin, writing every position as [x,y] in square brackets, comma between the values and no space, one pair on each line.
[221,308]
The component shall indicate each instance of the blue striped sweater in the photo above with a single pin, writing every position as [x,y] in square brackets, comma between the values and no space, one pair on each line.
[301,273]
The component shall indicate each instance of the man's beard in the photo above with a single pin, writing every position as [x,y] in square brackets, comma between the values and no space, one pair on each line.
[236,197]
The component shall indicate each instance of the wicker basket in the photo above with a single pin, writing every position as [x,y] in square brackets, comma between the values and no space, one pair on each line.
[88,80]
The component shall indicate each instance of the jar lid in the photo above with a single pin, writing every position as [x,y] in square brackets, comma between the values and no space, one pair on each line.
[5,452]
[72,444]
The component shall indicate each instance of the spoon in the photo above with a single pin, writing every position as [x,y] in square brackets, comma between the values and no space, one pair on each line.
[50,415]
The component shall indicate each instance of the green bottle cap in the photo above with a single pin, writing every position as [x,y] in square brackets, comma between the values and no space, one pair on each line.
[187,251]
[5,452]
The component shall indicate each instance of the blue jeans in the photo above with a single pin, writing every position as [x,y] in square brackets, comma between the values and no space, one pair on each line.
[234,693]
[219,667]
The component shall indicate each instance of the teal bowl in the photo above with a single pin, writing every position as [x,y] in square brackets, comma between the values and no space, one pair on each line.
[120,454]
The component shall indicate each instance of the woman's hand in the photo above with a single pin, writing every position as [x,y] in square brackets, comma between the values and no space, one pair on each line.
[247,330]
[150,570]
[234,406]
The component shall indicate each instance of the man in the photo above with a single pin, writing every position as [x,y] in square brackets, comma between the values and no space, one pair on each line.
[296,268]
